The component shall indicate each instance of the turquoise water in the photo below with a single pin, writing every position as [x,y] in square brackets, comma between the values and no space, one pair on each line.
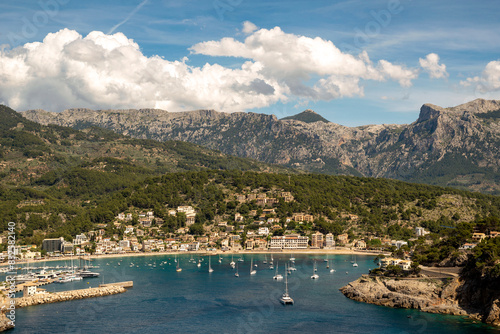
[195,301]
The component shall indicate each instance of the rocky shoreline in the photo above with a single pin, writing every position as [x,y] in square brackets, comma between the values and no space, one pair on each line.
[444,296]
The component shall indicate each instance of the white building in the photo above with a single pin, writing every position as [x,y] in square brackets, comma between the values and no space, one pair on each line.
[263,231]
[186,209]
[291,241]
[399,243]
[329,241]
[420,231]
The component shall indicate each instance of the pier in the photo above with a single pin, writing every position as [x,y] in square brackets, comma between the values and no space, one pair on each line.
[47,298]
[127,284]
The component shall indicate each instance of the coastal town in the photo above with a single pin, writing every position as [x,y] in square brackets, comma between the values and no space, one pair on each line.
[261,229]
[141,231]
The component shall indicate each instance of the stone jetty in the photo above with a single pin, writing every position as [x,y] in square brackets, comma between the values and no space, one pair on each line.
[47,298]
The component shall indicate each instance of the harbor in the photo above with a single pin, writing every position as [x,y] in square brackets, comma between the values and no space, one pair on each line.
[166,300]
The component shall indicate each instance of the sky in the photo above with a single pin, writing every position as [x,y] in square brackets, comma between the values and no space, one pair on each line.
[353,62]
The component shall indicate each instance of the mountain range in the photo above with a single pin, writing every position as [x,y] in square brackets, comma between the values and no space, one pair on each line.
[456,146]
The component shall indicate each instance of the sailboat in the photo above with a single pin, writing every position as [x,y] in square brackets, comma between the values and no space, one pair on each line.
[314,276]
[277,276]
[292,258]
[355,264]
[271,259]
[265,259]
[220,259]
[327,264]
[285,298]
[232,261]
[210,270]
[236,273]
[178,267]
[252,271]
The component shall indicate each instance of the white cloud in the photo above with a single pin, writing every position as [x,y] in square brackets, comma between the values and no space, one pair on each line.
[109,71]
[293,60]
[397,72]
[431,65]
[249,27]
[489,81]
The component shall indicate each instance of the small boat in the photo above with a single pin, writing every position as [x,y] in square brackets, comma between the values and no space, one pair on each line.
[252,271]
[240,259]
[285,298]
[87,274]
[236,273]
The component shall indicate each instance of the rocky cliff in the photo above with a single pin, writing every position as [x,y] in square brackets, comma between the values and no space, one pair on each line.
[457,146]
[454,296]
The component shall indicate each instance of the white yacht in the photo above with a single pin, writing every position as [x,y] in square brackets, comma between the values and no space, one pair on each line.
[285,298]
[252,271]
[314,276]
[277,276]
[210,270]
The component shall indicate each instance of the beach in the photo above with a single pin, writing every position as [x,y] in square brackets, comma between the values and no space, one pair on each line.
[322,251]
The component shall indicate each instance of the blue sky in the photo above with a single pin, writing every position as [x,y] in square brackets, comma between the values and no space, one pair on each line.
[464,35]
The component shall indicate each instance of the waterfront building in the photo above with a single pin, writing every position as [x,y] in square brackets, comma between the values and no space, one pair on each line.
[52,245]
[361,244]
[290,241]
[329,241]
[317,240]
[343,238]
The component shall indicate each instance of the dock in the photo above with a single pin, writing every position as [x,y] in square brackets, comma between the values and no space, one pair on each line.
[19,287]
[127,284]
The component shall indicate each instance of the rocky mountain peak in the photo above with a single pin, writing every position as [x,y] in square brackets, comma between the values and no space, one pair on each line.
[478,106]
[307,116]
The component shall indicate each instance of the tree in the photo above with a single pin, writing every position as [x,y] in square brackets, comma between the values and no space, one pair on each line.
[196,229]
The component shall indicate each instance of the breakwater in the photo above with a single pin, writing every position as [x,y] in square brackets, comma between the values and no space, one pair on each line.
[47,298]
